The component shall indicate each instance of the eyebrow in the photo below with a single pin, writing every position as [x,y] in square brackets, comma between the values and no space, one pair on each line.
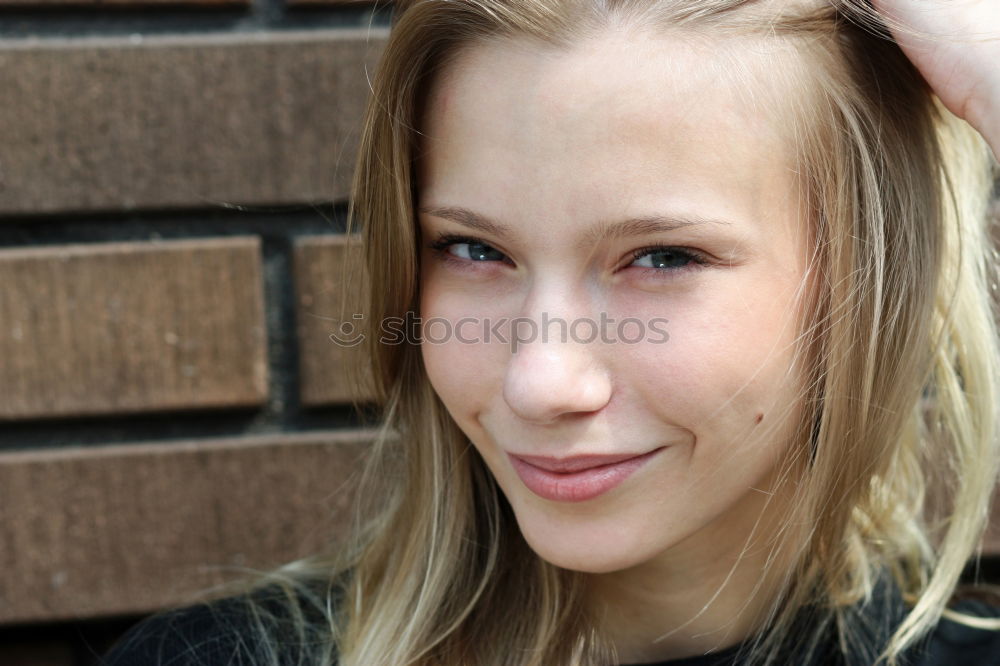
[635,226]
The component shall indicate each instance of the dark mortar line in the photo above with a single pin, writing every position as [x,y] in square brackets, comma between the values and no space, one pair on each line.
[280,323]
[159,225]
[109,20]
[166,427]
[216,209]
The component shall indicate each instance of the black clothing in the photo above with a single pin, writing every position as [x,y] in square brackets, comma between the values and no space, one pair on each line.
[950,644]
[217,635]
[226,633]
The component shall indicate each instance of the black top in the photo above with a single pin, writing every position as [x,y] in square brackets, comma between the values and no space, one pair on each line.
[217,635]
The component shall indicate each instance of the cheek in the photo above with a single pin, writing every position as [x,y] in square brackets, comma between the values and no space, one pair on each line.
[456,372]
[728,365]
[463,374]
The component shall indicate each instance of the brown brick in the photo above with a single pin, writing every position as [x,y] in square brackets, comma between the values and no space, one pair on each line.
[132,528]
[168,121]
[991,542]
[329,291]
[128,327]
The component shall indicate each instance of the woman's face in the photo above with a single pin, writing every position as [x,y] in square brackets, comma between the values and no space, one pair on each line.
[632,177]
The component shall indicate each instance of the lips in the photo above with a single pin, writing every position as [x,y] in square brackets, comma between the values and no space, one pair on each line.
[579,478]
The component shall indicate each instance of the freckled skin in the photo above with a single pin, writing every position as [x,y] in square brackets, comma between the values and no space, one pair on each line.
[550,143]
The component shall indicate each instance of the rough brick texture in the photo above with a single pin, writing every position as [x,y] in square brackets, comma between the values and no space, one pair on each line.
[127,327]
[131,528]
[168,121]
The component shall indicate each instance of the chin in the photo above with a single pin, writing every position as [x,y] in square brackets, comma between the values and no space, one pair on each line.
[574,559]
[584,553]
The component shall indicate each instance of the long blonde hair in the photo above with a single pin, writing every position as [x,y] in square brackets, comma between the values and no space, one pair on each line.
[902,349]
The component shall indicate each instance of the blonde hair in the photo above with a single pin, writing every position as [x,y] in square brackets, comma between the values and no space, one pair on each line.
[902,354]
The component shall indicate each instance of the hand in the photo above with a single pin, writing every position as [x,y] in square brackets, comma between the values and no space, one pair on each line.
[955,44]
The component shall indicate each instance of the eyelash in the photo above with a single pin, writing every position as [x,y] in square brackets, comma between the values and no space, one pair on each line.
[440,246]
[696,259]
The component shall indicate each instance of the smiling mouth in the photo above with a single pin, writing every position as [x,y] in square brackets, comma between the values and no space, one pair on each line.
[578,478]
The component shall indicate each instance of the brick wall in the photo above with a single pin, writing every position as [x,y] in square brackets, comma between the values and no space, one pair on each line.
[173,179]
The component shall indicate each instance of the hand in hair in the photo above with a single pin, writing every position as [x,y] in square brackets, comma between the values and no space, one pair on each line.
[956,46]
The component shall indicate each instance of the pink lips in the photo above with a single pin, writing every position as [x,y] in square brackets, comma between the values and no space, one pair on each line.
[579,478]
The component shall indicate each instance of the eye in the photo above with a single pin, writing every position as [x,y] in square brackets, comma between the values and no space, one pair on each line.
[662,260]
[465,250]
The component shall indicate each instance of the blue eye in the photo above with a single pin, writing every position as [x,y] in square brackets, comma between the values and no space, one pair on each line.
[475,251]
[666,259]
[464,249]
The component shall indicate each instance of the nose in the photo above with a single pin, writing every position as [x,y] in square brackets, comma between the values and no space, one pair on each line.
[547,379]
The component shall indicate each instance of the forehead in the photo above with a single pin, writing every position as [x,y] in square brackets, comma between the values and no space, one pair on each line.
[616,119]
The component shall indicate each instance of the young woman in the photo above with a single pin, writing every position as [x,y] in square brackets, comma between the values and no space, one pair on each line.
[704,288]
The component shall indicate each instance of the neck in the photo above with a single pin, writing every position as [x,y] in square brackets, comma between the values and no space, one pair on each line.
[708,592]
